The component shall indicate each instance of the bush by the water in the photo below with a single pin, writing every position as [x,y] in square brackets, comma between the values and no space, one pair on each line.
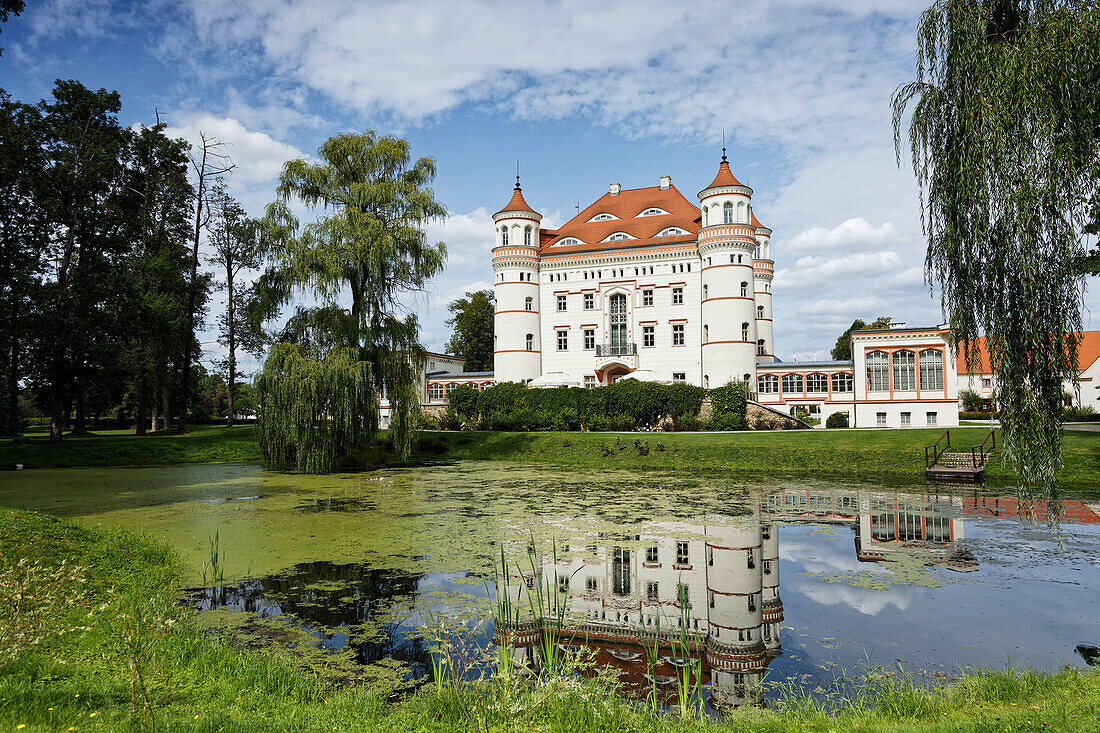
[625,405]
[837,420]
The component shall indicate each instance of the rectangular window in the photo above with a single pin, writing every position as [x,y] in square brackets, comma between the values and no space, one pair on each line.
[767,567]
[710,593]
[681,553]
[677,334]
[651,554]
[792,383]
[842,382]
[589,301]
[648,338]
[651,590]
[878,372]
[931,370]
[589,381]
[906,418]
[987,382]
[931,418]
[647,297]
[679,377]
[591,584]
[589,339]
[905,371]
[880,419]
[563,340]
[817,383]
[677,296]
[561,303]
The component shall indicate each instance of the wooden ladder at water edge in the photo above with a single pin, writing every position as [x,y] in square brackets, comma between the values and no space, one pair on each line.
[942,465]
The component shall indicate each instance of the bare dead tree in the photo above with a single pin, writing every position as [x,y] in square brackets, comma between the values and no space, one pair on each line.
[210,162]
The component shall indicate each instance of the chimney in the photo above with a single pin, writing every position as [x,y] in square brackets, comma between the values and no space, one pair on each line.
[615,188]
[666,181]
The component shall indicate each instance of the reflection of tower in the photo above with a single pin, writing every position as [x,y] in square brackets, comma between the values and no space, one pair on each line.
[735,646]
[772,612]
[517,353]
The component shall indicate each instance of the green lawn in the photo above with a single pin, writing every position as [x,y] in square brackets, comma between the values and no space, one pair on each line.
[895,455]
[201,444]
[878,454]
[196,681]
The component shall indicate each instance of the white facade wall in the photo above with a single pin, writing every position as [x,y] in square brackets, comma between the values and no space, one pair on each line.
[601,278]
[887,403]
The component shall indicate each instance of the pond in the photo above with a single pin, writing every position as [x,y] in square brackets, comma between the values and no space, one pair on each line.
[789,581]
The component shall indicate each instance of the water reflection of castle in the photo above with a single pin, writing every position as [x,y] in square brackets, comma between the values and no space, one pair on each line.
[624,590]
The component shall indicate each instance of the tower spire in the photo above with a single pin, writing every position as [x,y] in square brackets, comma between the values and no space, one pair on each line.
[517,174]
[723,145]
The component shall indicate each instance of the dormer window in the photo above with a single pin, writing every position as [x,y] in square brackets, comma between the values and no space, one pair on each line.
[653,211]
[671,232]
[567,241]
[603,217]
[618,236]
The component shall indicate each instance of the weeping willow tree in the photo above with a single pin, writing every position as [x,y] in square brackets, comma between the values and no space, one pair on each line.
[1004,134]
[320,386]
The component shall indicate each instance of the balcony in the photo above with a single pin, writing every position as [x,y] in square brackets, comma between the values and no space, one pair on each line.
[622,349]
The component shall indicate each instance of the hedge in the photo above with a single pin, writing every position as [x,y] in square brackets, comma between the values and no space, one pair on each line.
[625,405]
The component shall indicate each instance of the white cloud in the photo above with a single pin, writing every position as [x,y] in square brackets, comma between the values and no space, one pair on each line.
[865,600]
[258,157]
[856,234]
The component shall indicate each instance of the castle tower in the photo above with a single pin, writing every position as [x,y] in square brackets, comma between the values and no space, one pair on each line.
[763,269]
[517,350]
[727,242]
[735,647]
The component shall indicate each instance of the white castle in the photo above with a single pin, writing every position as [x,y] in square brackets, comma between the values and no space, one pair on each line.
[642,282]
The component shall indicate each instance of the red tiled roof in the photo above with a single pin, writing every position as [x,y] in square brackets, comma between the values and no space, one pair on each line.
[725,177]
[517,203]
[625,207]
[1088,351]
[754,221]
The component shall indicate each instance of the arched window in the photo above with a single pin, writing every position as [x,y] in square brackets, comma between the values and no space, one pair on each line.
[792,383]
[706,210]
[741,213]
[435,392]
[761,348]
[450,388]
[768,384]
[759,311]
[905,371]
[878,372]
[528,303]
[706,333]
[530,342]
[727,213]
[756,253]
[931,369]
[527,236]
[504,236]
[744,290]
[744,332]
[817,383]
[704,292]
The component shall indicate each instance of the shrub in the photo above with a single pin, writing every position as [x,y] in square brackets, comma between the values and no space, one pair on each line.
[979,415]
[1086,413]
[463,401]
[971,401]
[729,406]
[449,420]
[837,420]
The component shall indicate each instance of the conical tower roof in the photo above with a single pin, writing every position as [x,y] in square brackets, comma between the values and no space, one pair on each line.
[725,176]
[517,202]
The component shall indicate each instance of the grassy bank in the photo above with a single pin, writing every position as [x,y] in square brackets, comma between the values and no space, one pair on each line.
[892,455]
[873,454]
[201,444]
[191,680]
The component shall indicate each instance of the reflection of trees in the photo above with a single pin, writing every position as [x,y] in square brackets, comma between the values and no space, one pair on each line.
[324,597]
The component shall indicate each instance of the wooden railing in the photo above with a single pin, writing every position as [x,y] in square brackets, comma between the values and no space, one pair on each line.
[978,453]
[936,449]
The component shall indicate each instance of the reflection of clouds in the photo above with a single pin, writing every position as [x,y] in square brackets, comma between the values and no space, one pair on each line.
[867,601]
[824,557]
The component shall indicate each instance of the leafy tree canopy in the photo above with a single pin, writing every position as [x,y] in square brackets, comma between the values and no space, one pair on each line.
[318,397]
[472,330]
[843,349]
[1005,142]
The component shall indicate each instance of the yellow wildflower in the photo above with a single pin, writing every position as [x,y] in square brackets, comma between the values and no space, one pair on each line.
[21,726]
[92,715]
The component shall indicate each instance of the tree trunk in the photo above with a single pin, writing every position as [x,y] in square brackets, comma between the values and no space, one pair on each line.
[13,384]
[142,407]
[232,346]
[154,424]
[192,295]
[166,405]
[80,426]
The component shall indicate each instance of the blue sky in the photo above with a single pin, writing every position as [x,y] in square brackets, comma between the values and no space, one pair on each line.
[584,94]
